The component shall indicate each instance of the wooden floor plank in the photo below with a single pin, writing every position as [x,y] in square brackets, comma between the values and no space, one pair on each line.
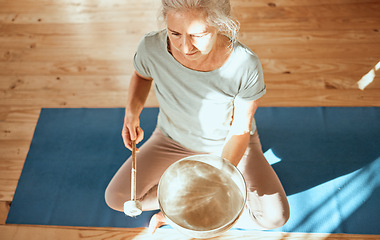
[316,98]
[7,189]
[51,82]
[114,68]
[12,232]
[4,209]
[312,4]
[80,50]
[279,11]
[255,38]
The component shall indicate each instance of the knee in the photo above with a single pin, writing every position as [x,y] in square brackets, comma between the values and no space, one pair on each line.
[276,221]
[273,219]
[113,200]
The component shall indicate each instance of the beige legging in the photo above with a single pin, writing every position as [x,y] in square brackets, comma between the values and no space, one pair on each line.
[267,206]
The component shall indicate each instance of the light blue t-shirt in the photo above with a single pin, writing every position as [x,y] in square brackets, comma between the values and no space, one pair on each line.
[196,107]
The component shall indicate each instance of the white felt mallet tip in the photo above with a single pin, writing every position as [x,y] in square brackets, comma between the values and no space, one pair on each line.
[132,208]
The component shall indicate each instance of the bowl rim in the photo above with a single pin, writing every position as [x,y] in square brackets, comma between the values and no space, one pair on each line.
[211,232]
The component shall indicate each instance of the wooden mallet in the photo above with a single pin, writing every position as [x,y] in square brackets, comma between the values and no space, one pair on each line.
[133,207]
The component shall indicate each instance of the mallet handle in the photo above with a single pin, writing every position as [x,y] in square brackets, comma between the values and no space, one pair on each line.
[133,172]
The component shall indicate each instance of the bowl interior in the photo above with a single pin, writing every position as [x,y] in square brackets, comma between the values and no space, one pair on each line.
[202,193]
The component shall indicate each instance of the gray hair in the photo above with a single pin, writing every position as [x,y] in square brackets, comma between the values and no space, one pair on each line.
[218,13]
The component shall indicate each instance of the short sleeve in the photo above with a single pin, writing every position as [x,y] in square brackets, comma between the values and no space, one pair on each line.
[253,87]
[141,59]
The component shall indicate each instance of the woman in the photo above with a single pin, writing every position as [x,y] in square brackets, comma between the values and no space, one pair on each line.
[207,85]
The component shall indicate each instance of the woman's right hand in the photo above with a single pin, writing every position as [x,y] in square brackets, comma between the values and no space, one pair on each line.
[131,131]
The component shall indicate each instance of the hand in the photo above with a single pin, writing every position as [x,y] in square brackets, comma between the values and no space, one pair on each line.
[132,131]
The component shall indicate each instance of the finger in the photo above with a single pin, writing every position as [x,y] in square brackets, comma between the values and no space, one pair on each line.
[127,143]
[126,138]
[132,133]
[140,134]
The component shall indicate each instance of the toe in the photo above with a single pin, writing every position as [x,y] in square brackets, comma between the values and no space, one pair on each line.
[156,221]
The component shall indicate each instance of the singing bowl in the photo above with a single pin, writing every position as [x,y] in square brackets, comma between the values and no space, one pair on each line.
[202,196]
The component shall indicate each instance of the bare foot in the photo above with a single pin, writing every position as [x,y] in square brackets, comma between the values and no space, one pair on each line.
[156,221]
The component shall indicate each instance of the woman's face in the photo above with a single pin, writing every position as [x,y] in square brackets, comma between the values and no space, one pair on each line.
[190,34]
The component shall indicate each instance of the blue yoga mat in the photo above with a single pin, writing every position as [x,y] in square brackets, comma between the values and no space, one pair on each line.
[328,160]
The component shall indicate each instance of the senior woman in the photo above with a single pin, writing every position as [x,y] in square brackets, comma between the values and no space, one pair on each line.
[208,85]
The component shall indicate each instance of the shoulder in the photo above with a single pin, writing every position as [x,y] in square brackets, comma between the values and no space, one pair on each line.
[245,61]
[153,39]
[245,54]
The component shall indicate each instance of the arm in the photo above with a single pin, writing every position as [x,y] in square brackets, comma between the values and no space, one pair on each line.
[238,138]
[137,94]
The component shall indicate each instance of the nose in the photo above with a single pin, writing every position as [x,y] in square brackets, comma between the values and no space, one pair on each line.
[187,45]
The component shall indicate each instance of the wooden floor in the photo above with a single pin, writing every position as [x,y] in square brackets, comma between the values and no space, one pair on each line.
[78,53]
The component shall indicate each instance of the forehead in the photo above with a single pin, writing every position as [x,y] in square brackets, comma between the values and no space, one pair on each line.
[187,21]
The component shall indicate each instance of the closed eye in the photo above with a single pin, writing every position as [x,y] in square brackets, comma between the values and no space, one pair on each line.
[175,34]
[199,35]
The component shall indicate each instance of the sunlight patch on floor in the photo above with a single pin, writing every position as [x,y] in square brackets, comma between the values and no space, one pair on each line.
[271,157]
[368,78]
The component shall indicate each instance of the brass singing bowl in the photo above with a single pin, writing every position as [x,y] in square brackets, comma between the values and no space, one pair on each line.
[202,196]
